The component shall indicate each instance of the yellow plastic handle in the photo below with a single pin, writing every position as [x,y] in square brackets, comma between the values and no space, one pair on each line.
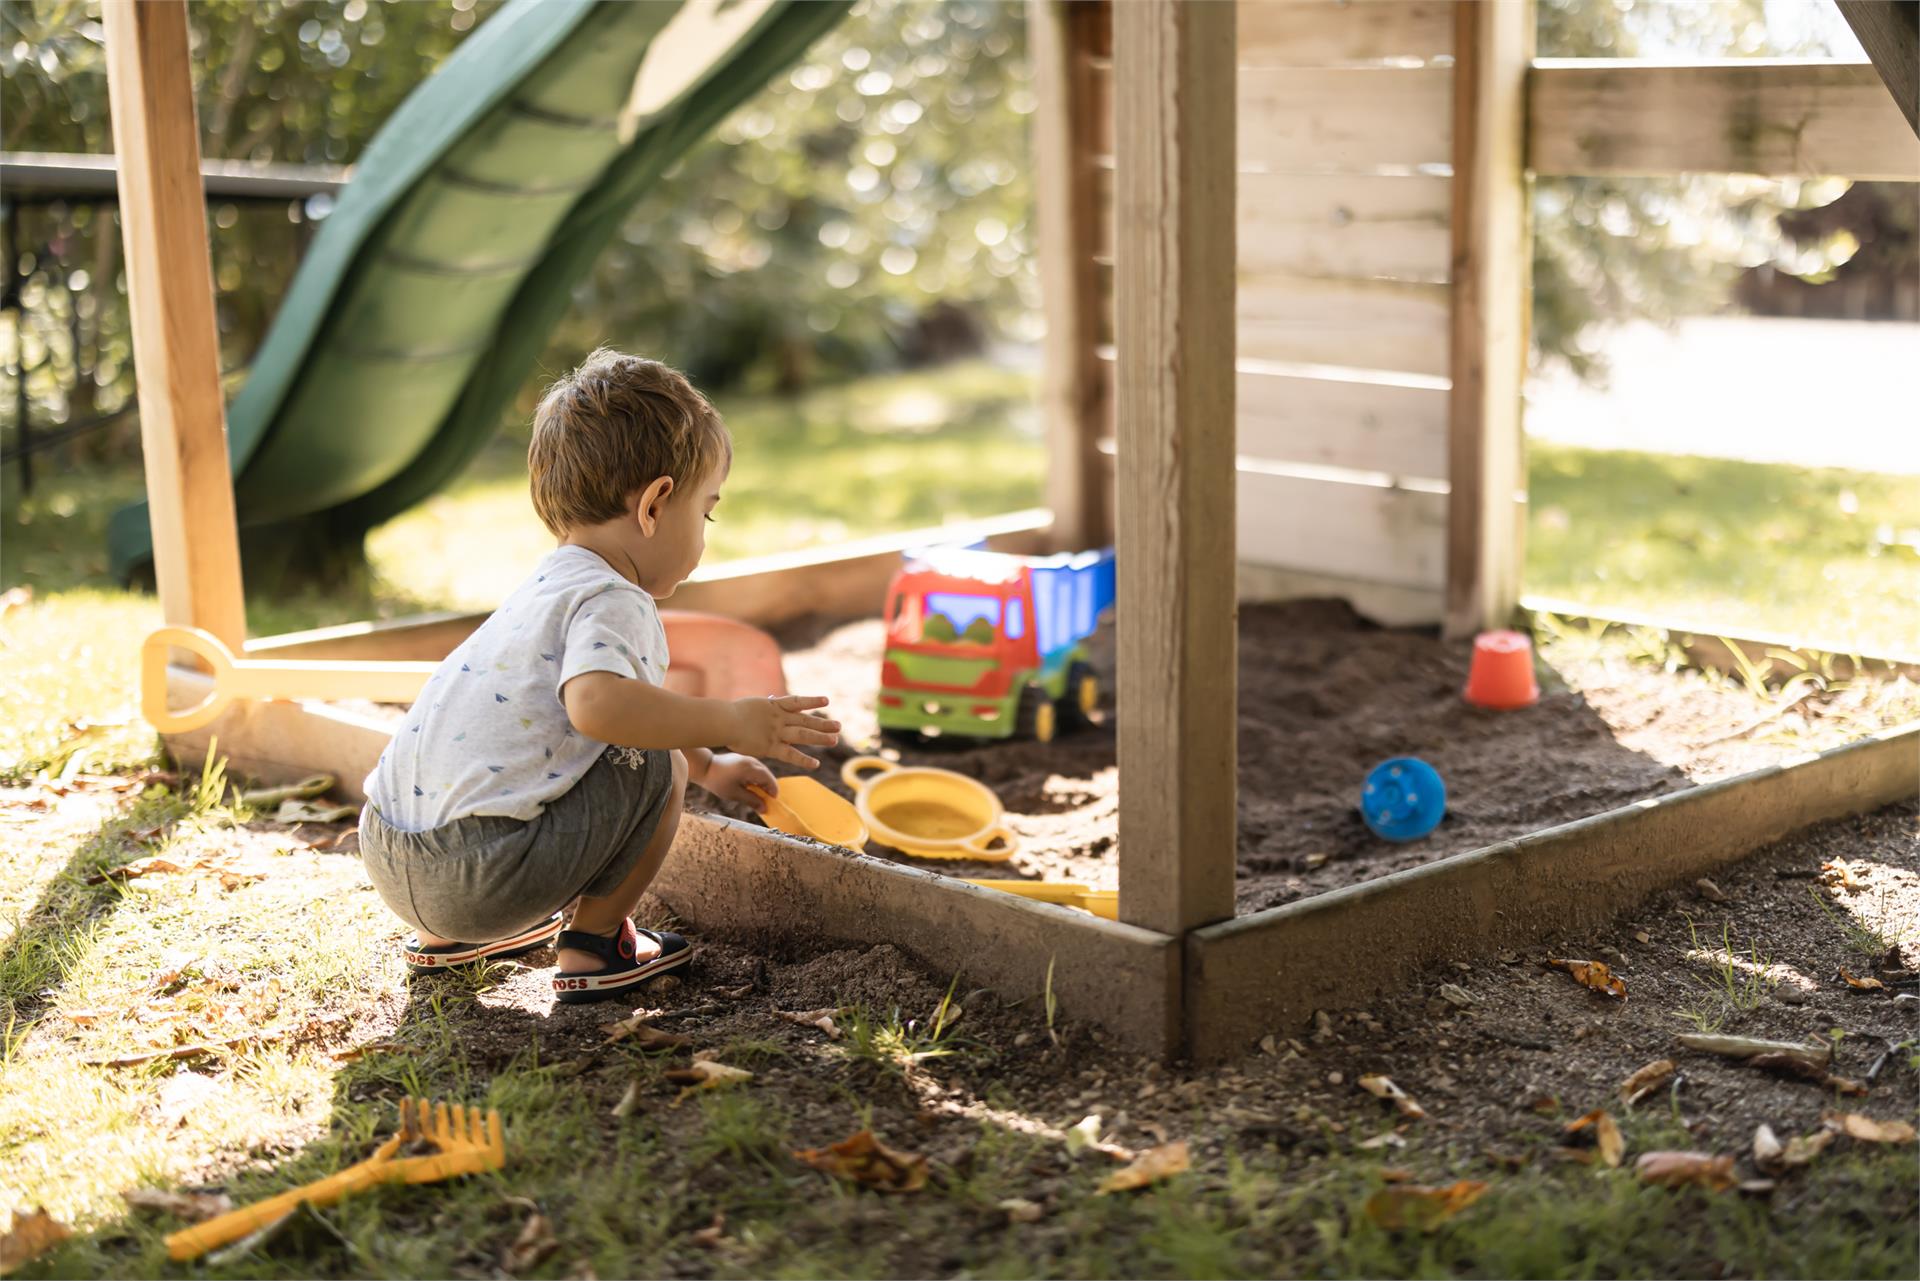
[153,680]
[981,846]
[225,1229]
[855,772]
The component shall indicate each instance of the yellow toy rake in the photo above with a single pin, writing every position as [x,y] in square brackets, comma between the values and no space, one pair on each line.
[470,1141]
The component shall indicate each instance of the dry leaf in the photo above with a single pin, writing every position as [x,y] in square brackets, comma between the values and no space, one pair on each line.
[531,1248]
[1020,1210]
[1678,1169]
[1606,1133]
[191,1206]
[1649,1077]
[354,1053]
[713,1236]
[1387,1140]
[822,1019]
[1084,1135]
[1814,1055]
[1866,1129]
[294,811]
[704,1074]
[1767,1149]
[1711,892]
[1802,1148]
[1383,1088]
[33,1233]
[1409,1205]
[740,993]
[155,866]
[643,1034]
[1151,1166]
[333,842]
[1594,975]
[628,1101]
[1862,985]
[864,1159]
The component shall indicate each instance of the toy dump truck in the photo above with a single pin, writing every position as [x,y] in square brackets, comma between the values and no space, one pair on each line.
[986,645]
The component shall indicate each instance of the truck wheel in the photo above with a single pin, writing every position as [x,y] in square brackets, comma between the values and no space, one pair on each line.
[1082,698]
[1037,719]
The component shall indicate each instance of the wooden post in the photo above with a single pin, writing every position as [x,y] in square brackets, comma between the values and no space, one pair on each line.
[1492,247]
[1889,30]
[1066,204]
[1174,285]
[176,354]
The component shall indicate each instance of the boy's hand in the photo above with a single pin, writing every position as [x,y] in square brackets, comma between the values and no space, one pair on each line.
[771,726]
[729,777]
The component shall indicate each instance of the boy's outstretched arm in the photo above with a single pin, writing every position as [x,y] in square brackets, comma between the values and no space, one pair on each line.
[635,713]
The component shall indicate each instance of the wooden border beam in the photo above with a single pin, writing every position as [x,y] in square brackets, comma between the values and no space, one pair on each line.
[1889,30]
[1765,116]
[176,350]
[1174,284]
[1493,45]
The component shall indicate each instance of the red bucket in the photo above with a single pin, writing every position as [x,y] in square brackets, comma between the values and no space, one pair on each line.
[1502,674]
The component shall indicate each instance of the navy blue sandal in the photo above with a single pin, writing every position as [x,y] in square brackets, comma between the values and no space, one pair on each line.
[425,960]
[623,970]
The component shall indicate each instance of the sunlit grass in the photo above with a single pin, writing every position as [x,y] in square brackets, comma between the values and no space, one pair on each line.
[1822,554]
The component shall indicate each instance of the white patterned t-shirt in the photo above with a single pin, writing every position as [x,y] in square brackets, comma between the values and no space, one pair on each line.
[489,734]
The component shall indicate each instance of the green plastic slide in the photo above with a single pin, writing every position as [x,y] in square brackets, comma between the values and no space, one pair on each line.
[432,287]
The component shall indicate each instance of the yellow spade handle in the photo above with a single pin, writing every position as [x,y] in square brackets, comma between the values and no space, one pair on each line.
[854,772]
[224,1229]
[1040,891]
[263,678]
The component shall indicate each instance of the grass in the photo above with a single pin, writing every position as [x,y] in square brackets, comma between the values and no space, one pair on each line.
[1738,985]
[1824,554]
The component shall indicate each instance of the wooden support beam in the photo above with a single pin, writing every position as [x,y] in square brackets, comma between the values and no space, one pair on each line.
[1765,116]
[1174,257]
[176,353]
[1493,45]
[1889,30]
[1068,204]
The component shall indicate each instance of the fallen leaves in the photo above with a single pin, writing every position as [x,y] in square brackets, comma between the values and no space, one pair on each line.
[291,812]
[1021,1210]
[1684,1169]
[704,1074]
[1813,1055]
[1149,1167]
[1867,1130]
[1862,985]
[644,1034]
[1606,1134]
[230,873]
[312,1029]
[822,1019]
[1645,1079]
[865,1160]
[194,1207]
[1401,1206]
[33,1233]
[532,1247]
[1593,975]
[1382,1087]
[1773,1157]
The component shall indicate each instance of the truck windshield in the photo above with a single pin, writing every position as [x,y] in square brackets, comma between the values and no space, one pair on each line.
[957,618]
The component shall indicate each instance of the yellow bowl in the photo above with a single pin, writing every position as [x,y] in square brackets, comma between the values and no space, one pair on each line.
[929,813]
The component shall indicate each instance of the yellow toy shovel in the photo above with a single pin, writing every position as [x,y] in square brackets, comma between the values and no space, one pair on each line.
[262,678]
[470,1141]
[1066,893]
[804,807]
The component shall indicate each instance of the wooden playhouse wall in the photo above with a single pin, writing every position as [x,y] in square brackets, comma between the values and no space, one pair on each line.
[1345,153]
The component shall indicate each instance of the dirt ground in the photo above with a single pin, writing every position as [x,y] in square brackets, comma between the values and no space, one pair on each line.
[1324,696]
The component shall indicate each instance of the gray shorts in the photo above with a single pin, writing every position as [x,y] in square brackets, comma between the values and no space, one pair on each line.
[483,878]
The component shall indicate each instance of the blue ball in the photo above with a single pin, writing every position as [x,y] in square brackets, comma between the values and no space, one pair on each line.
[1403,799]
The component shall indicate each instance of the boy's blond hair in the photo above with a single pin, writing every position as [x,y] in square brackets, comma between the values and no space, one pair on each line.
[611,428]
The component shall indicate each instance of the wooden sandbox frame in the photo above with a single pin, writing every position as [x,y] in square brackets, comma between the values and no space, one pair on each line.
[1179,973]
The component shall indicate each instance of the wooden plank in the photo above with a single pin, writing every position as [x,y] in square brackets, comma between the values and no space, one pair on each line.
[1073,407]
[1177,639]
[176,352]
[1889,30]
[1370,533]
[1359,225]
[1761,116]
[1397,427]
[1268,972]
[1492,260]
[1363,324]
[748,883]
[1314,33]
[1349,119]
[1338,119]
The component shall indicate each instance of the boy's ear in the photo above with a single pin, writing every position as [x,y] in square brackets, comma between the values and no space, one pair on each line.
[652,499]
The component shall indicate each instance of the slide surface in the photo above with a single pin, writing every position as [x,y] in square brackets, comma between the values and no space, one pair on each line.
[431,289]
